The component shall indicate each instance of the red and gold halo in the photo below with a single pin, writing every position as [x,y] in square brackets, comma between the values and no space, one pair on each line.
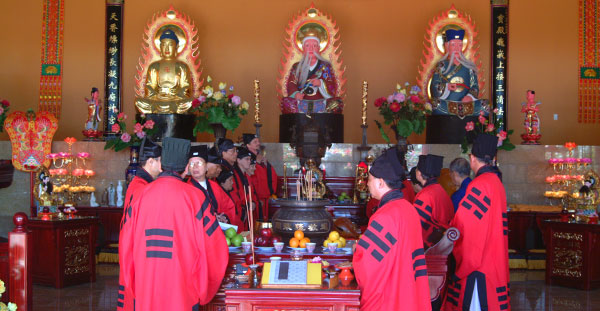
[187,51]
[434,46]
[311,22]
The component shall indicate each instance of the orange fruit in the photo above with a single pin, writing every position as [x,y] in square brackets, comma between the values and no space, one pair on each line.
[303,242]
[294,242]
[298,234]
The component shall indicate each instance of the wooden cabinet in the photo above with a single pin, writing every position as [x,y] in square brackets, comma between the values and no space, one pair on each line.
[109,222]
[63,251]
[573,254]
[524,229]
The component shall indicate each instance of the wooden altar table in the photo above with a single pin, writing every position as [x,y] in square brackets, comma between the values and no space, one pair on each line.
[573,254]
[63,251]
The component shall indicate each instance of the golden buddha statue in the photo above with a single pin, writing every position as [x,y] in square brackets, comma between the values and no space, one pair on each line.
[168,87]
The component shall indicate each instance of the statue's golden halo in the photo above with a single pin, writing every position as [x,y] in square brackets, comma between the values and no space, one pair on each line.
[312,29]
[440,38]
[178,32]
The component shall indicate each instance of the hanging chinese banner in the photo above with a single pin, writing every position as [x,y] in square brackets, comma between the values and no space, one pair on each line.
[589,61]
[499,59]
[112,80]
[53,19]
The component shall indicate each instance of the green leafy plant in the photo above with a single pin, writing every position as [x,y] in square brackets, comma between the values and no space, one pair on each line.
[405,112]
[125,140]
[4,104]
[218,106]
[487,125]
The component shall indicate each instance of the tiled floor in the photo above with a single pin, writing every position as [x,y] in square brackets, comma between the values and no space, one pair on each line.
[528,292]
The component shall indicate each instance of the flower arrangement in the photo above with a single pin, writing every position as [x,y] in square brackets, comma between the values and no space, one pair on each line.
[3,307]
[404,111]
[140,130]
[488,126]
[218,106]
[4,104]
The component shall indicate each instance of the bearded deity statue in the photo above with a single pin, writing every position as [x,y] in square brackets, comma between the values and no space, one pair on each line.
[312,84]
[450,73]
[454,86]
[168,85]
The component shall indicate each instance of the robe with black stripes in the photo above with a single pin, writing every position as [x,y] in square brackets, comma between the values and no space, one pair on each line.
[265,181]
[389,262]
[481,252]
[435,211]
[173,251]
[142,178]
[219,200]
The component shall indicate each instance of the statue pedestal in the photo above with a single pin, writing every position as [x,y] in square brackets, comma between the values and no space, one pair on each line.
[447,129]
[172,125]
[291,124]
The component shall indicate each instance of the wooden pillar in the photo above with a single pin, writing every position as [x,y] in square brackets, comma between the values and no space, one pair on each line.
[20,256]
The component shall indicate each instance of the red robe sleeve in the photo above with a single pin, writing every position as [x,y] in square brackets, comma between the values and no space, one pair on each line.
[125,297]
[435,210]
[389,261]
[408,191]
[226,204]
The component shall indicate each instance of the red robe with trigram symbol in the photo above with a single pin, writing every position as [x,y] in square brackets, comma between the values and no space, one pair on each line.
[389,261]
[435,210]
[482,276]
[173,252]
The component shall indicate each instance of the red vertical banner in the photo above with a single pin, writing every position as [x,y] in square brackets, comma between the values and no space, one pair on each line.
[589,62]
[53,19]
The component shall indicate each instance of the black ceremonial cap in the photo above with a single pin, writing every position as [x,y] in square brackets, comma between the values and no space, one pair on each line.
[247,138]
[224,175]
[148,149]
[244,152]
[388,166]
[213,157]
[430,165]
[175,154]
[485,146]
[200,151]
[224,144]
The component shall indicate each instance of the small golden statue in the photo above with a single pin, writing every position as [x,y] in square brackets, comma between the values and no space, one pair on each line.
[168,87]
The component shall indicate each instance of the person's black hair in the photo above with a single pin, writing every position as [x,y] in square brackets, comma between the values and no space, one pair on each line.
[394,184]
[487,160]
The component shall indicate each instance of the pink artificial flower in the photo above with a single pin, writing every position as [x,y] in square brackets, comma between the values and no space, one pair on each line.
[195,103]
[415,99]
[121,116]
[149,124]
[236,100]
[379,101]
[490,128]
[138,128]
[202,99]
[5,103]
[482,119]
[399,97]
[1,110]
[502,135]
[395,107]
[143,116]
[481,113]
[140,134]
[470,126]
[495,111]
[125,137]
[115,128]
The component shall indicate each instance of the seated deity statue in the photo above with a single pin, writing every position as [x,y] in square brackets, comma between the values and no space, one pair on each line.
[454,87]
[312,84]
[168,82]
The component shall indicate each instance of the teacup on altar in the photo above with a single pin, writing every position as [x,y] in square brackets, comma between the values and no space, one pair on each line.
[278,246]
[246,246]
[310,247]
[332,247]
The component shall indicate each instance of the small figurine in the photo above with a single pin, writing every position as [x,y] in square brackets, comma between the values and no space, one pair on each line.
[111,195]
[532,122]
[119,194]
[94,112]
[93,202]
[104,201]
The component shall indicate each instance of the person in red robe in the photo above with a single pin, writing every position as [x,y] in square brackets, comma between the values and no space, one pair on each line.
[172,251]
[432,203]
[389,261]
[149,158]
[213,164]
[481,279]
[221,204]
[265,177]
[228,153]
[245,169]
